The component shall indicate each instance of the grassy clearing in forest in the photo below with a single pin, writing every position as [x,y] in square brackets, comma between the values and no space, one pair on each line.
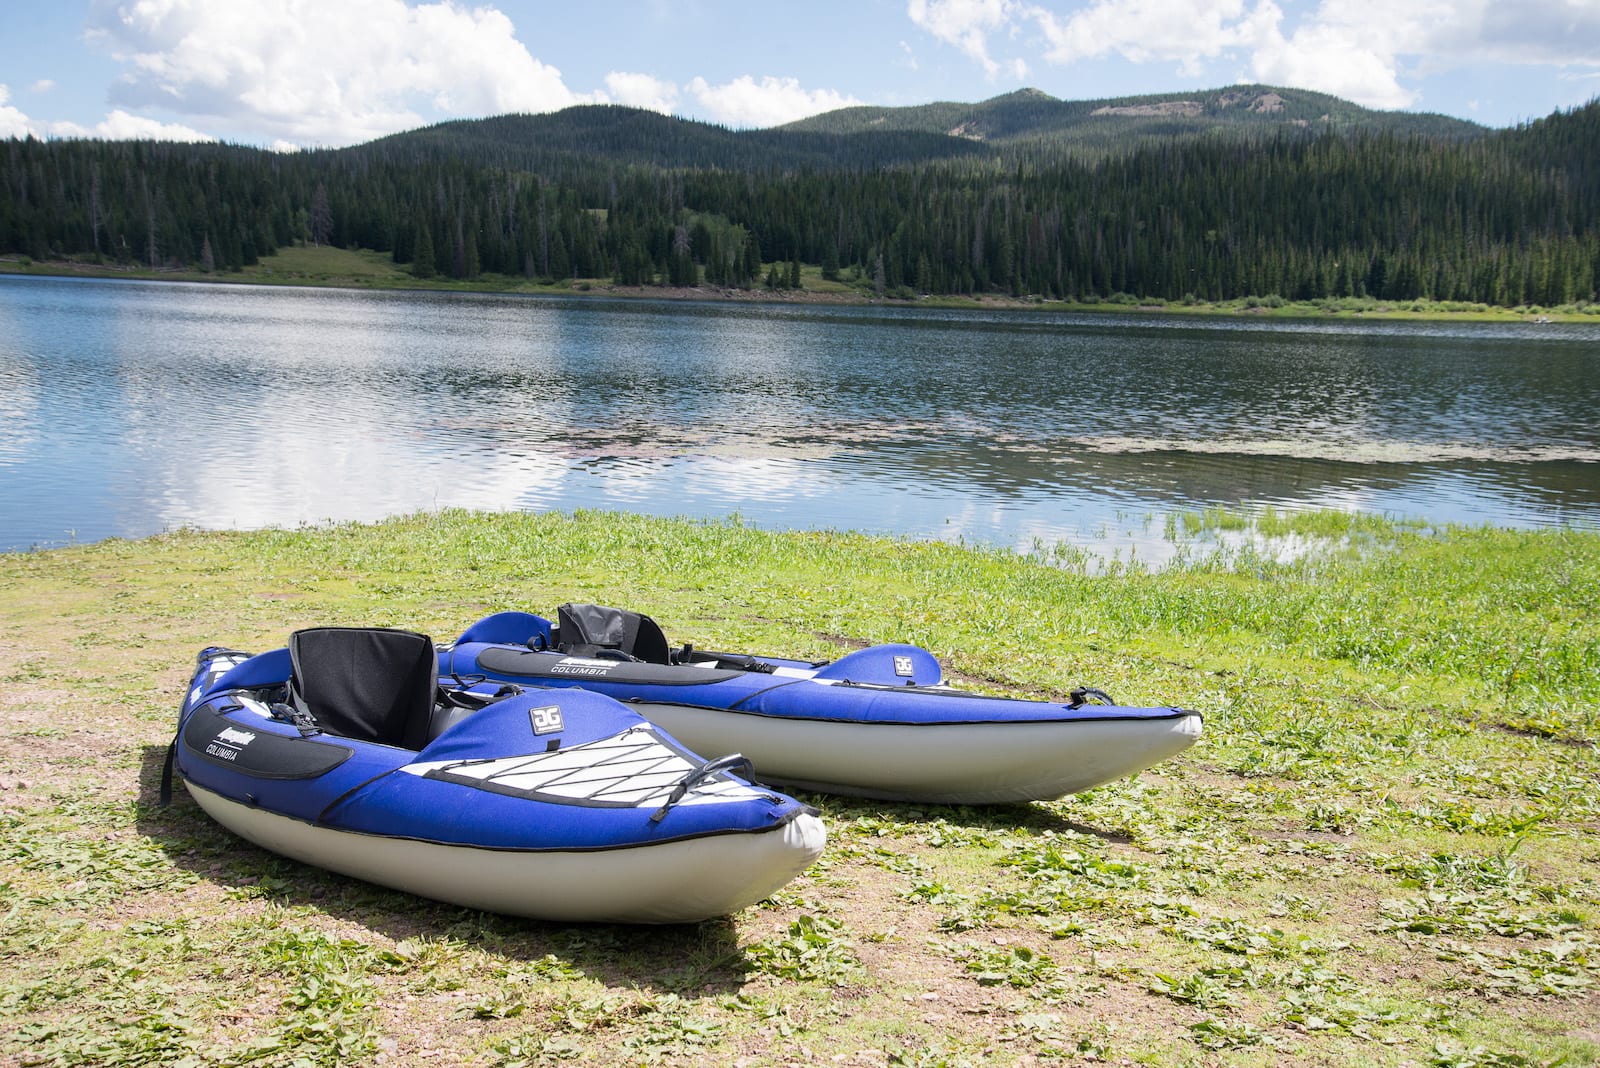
[1383,850]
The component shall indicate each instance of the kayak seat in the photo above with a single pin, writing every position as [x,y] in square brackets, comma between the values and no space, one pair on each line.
[368,684]
[593,630]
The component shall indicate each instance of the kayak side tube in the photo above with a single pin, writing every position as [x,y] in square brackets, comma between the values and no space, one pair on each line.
[864,725]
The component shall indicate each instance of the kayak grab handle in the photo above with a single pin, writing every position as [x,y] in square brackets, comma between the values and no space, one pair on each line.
[1084,695]
[700,775]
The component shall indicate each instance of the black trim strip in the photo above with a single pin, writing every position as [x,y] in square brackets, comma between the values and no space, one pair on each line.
[1171,713]
[759,693]
[322,816]
[783,821]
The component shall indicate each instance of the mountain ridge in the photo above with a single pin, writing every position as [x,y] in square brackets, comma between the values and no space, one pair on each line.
[1033,114]
[1025,122]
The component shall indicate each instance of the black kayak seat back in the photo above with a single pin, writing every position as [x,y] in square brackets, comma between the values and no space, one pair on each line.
[591,629]
[366,683]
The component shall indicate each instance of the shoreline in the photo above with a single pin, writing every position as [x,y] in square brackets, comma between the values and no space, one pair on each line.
[362,270]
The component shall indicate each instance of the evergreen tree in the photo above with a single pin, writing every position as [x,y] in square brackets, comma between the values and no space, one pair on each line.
[321,216]
[830,262]
[752,256]
[422,262]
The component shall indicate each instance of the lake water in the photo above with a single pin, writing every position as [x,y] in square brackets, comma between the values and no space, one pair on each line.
[129,408]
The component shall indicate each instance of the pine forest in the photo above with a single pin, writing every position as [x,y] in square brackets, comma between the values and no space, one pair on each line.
[1163,206]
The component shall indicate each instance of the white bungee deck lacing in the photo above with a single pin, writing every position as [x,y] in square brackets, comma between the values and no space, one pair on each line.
[633,768]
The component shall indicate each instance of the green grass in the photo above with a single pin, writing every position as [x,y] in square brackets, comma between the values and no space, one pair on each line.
[1383,850]
[326,264]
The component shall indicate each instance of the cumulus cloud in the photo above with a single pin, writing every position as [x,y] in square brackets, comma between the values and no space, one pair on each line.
[13,123]
[1366,50]
[744,102]
[117,126]
[121,126]
[1143,31]
[642,91]
[1335,54]
[966,24]
[310,72]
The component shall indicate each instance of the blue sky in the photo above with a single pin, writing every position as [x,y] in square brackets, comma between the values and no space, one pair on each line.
[297,73]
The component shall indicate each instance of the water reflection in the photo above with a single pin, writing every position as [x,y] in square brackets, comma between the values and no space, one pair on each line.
[127,408]
[21,396]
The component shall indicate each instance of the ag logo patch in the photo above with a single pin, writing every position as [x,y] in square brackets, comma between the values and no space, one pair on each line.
[903,668]
[547,720]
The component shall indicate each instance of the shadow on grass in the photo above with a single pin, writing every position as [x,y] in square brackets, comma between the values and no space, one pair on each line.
[699,959]
[1035,817]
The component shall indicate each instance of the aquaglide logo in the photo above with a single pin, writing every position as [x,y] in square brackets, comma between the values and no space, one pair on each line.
[228,743]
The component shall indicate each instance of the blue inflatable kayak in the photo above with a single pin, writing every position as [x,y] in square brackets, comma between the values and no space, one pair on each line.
[879,722]
[343,751]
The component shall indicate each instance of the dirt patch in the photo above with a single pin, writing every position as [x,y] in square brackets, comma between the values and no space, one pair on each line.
[1186,108]
[1542,735]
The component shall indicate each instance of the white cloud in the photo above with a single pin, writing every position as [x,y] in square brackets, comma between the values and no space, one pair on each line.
[13,123]
[1333,55]
[1369,51]
[642,91]
[744,102]
[43,85]
[121,126]
[1554,32]
[312,72]
[1144,31]
[966,24]
[117,126]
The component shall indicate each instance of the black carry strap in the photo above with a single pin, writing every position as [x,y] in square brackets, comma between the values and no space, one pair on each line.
[1084,695]
[295,714]
[700,775]
[164,796]
[742,662]
[461,695]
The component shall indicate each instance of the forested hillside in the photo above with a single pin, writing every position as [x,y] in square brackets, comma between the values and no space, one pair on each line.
[1271,205]
[570,142]
[1089,128]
